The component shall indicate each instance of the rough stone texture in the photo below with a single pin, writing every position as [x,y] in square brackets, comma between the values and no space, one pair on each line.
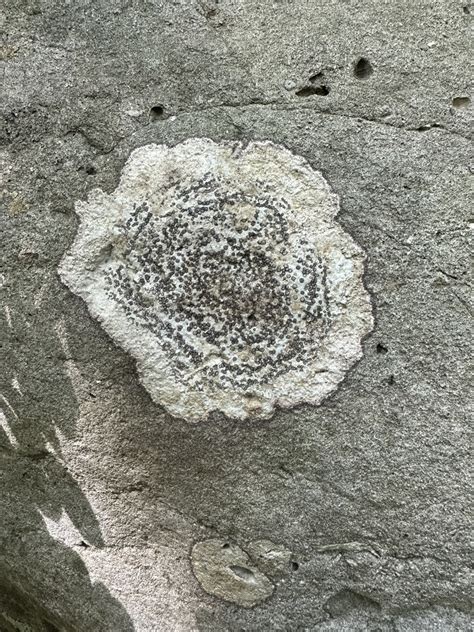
[103,498]
[225,570]
[273,559]
[221,270]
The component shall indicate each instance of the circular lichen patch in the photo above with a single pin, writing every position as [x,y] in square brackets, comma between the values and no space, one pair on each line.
[221,269]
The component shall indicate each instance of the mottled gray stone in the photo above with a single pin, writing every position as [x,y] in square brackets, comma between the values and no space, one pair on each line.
[223,569]
[273,559]
[102,495]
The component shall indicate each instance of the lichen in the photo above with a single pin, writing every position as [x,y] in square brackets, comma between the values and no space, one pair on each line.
[221,269]
[226,571]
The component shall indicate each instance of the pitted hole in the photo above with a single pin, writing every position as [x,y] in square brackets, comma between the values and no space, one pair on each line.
[294,566]
[363,68]
[50,627]
[460,103]
[226,546]
[391,380]
[157,113]
[380,348]
[91,170]
[317,78]
[307,91]
[243,573]
[322,91]
[466,9]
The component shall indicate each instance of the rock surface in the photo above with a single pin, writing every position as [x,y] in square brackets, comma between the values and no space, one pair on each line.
[102,495]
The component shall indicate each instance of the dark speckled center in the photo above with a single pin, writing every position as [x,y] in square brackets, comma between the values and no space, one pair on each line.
[223,283]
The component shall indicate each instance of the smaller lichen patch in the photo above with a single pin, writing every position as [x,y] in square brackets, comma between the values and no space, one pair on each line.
[226,571]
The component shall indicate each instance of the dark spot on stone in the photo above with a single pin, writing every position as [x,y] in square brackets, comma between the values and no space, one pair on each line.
[91,170]
[380,348]
[157,113]
[226,546]
[294,566]
[317,78]
[461,103]
[363,68]
[308,91]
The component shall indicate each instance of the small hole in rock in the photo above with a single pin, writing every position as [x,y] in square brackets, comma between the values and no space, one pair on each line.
[466,9]
[157,112]
[50,627]
[320,91]
[244,573]
[317,77]
[294,566]
[380,348]
[91,170]
[226,546]
[461,102]
[363,68]
[391,380]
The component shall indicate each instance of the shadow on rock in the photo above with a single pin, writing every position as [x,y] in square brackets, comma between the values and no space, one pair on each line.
[44,584]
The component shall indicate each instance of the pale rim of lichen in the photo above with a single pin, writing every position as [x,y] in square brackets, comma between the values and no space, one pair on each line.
[145,173]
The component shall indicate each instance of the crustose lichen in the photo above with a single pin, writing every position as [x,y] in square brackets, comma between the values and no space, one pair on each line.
[222,271]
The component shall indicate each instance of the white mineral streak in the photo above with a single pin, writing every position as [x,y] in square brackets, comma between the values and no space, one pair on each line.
[221,269]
